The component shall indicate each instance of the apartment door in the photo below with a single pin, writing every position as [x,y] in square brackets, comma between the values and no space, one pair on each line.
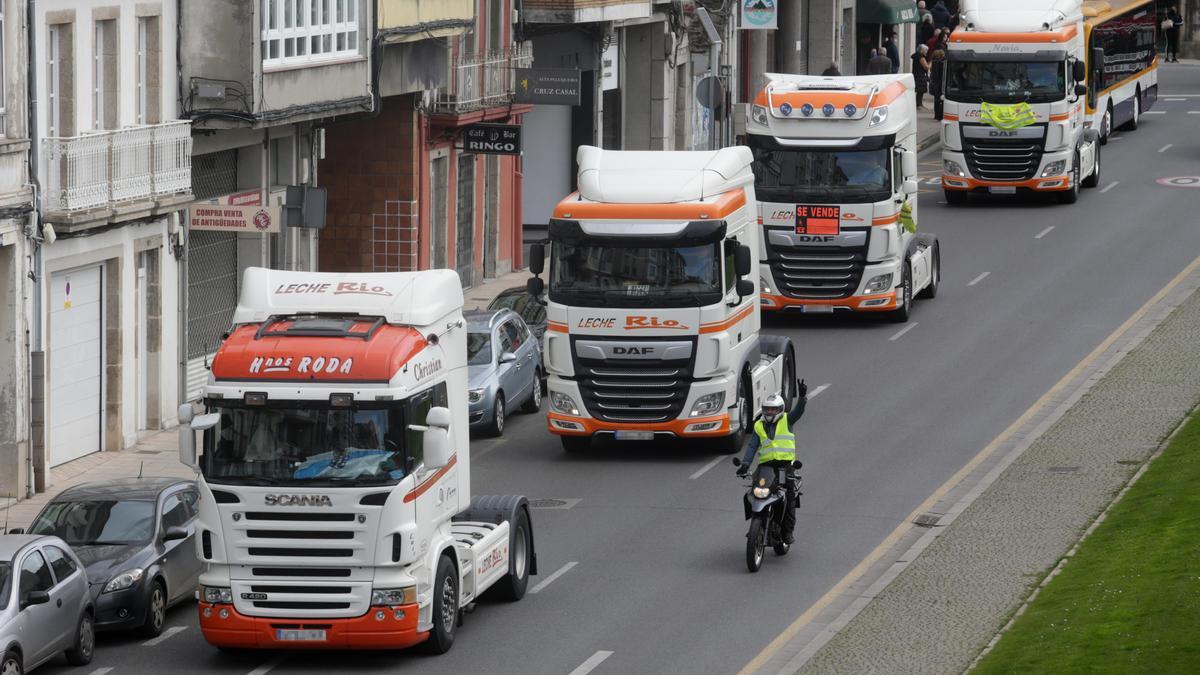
[491,216]
[464,244]
[438,226]
[75,410]
[141,339]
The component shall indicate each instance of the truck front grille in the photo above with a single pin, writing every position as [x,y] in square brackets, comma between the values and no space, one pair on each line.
[1014,159]
[635,391]
[816,272]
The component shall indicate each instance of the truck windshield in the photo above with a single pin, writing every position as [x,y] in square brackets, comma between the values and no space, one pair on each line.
[309,445]
[822,176]
[592,274]
[1006,81]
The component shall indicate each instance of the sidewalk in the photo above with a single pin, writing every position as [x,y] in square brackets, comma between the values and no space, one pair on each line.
[929,130]
[479,296]
[157,454]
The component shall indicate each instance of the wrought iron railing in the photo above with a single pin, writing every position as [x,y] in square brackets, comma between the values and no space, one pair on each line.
[483,80]
[102,167]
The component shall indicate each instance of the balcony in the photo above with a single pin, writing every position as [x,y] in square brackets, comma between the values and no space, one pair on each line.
[481,81]
[118,174]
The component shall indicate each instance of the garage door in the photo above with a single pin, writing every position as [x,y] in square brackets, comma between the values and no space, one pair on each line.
[75,404]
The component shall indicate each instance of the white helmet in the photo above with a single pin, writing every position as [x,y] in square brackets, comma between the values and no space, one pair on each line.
[772,408]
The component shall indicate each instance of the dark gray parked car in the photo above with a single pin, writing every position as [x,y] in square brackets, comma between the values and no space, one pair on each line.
[45,607]
[136,538]
[504,368]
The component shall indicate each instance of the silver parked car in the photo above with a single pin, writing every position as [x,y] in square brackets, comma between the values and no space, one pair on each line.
[45,607]
[504,368]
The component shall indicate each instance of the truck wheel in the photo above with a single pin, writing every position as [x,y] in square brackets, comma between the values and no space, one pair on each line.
[930,292]
[84,646]
[1106,125]
[445,608]
[1071,195]
[576,444]
[1093,178]
[496,426]
[756,544]
[789,378]
[512,587]
[955,196]
[901,314]
[534,402]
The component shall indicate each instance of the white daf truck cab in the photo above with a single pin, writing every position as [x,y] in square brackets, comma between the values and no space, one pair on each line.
[835,168]
[653,302]
[334,469]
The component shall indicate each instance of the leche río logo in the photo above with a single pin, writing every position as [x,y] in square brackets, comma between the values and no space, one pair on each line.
[758,13]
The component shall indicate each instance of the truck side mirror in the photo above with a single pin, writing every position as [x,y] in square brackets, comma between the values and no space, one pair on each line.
[537,258]
[745,287]
[534,286]
[1080,89]
[187,434]
[910,164]
[1078,71]
[741,260]
[910,187]
[435,441]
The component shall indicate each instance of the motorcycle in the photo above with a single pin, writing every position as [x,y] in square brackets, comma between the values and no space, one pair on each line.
[765,503]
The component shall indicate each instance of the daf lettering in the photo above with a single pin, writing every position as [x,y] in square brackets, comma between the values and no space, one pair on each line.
[298,500]
[816,238]
[617,351]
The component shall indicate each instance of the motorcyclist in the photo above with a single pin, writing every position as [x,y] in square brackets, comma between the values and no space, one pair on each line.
[775,444]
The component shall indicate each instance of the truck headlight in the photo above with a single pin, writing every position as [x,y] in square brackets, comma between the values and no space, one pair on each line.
[878,115]
[474,396]
[561,403]
[126,579]
[762,492]
[763,286]
[215,595]
[953,168]
[1055,168]
[758,114]
[708,404]
[879,283]
[393,596]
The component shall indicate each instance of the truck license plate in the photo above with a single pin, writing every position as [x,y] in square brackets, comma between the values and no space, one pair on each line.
[291,635]
[1003,190]
[816,309]
[635,435]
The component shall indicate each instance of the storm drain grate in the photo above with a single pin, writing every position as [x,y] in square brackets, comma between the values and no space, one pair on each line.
[927,520]
[560,504]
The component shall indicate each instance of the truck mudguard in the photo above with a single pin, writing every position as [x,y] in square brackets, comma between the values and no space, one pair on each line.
[498,509]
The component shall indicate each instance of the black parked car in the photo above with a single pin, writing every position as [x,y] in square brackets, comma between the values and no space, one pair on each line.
[520,301]
[135,539]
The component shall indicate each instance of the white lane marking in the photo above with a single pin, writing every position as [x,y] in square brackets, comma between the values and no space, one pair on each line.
[269,665]
[1155,112]
[1110,186]
[166,635]
[705,469]
[550,579]
[1166,147]
[1194,112]
[1043,233]
[813,394]
[1174,100]
[902,331]
[979,278]
[590,665]
[100,671]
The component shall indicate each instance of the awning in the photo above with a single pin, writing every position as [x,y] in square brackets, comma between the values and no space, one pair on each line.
[886,11]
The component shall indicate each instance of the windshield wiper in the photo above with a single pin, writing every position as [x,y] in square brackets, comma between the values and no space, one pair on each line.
[587,295]
[344,480]
[243,480]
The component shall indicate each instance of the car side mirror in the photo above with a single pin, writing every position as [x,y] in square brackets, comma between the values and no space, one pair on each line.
[508,357]
[745,287]
[17,530]
[35,598]
[534,286]
[741,260]
[910,187]
[537,258]
[435,437]
[1080,89]
[175,533]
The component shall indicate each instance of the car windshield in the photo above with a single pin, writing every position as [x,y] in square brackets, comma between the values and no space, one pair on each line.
[522,303]
[1006,81]
[295,443]
[5,582]
[98,521]
[479,349]
[594,274]
[820,175]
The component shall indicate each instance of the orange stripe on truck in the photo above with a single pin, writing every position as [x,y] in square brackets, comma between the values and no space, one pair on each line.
[431,481]
[838,98]
[556,327]
[723,206]
[592,425]
[718,326]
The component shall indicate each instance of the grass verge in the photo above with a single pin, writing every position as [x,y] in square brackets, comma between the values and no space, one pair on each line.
[1129,600]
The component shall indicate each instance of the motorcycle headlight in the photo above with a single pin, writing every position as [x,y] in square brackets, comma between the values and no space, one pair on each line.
[879,283]
[708,404]
[562,403]
[758,114]
[1055,168]
[878,115]
[215,595]
[761,492]
[475,396]
[393,596]
[126,579]
[953,168]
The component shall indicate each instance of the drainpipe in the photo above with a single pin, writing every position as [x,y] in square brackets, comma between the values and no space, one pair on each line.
[34,322]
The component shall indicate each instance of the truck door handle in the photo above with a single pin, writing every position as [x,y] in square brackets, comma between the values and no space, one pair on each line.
[58,603]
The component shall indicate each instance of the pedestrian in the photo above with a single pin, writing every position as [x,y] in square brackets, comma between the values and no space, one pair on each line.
[893,52]
[937,71]
[1172,25]
[831,71]
[926,30]
[941,14]
[879,63]
[921,11]
[920,69]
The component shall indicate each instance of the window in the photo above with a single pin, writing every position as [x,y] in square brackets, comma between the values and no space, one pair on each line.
[3,69]
[35,575]
[149,75]
[506,340]
[416,410]
[299,32]
[496,21]
[191,500]
[60,562]
[730,263]
[174,512]
[104,75]
[60,68]
[516,337]
[99,522]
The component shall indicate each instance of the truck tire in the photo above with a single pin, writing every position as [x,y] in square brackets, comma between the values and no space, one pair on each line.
[905,292]
[534,403]
[512,587]
[1106,124]
[496,426]
[789,378]
[930,292]
[1093,178]
[728,445]
[445,608]
[1071,195]
[575,445]
[955,196]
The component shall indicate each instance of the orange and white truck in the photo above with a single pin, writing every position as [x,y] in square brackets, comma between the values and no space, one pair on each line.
[334,472]
[652,301]
[835,172]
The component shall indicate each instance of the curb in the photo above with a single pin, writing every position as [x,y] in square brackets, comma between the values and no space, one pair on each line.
[929,141]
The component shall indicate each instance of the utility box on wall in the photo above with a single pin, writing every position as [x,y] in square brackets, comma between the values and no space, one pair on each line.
[304,206]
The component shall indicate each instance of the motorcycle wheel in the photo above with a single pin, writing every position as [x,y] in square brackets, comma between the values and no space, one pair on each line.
[756,544]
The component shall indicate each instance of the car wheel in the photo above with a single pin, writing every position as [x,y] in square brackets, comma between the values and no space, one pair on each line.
[85,642]
[156,611]
[496,426]
[11,665]
[534,402]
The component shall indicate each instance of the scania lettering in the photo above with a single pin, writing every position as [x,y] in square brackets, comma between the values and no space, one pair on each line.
[652,302]
[835,172]
[334,471]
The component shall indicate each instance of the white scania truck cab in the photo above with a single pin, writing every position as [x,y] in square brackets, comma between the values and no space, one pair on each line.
[652,301]
[334,470]
[835,168]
